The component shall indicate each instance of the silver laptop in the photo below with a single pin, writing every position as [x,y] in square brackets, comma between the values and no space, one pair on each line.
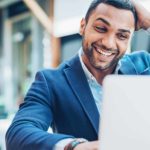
[125,118]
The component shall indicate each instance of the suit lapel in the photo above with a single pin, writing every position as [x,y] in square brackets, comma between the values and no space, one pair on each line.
[79,84]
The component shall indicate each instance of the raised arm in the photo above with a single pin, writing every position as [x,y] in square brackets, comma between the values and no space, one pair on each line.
[29,128]
[143,15]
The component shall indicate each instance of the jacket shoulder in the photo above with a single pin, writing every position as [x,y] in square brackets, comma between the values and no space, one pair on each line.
[60,69]
[139,58]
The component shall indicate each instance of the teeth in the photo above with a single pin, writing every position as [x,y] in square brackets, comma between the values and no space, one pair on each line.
[104,53]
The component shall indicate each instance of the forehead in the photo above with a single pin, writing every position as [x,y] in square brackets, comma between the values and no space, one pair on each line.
[115,16]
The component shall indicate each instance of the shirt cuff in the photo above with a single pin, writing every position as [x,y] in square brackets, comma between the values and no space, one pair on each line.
[62,143]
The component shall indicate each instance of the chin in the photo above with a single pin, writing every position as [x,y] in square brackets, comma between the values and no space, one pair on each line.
[106,67]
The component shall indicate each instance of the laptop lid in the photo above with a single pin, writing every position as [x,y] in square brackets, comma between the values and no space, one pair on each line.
[125,118]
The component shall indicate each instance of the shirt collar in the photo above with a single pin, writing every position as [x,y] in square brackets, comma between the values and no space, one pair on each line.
[85,69]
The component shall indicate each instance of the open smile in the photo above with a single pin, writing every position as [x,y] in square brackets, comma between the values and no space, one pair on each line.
[106,53]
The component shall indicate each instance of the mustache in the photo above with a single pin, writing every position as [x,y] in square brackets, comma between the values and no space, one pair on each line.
[103,47]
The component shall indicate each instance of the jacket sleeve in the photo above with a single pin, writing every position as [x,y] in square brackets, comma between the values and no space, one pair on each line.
[28,130]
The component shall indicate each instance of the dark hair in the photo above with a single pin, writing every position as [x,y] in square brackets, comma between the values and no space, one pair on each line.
[121,4]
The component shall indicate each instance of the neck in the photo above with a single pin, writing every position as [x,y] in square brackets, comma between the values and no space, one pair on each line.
[97,73]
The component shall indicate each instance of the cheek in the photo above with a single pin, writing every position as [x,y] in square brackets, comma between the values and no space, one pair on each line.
[88,40]
[123,46]
[91,35]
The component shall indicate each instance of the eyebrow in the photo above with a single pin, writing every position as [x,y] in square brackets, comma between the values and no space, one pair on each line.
[103,20]
[124,30]
[106,22]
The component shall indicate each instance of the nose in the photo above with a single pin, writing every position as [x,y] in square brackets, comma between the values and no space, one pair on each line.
[109,41]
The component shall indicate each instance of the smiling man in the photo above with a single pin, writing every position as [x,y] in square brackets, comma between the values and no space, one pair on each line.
[69,98]
[106,35]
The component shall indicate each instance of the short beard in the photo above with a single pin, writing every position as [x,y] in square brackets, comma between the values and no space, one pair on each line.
[89,54]
[112,64]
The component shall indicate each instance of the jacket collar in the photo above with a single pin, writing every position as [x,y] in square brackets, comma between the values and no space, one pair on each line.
[79,84]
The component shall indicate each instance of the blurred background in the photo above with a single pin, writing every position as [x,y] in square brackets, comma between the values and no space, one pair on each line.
[37,34]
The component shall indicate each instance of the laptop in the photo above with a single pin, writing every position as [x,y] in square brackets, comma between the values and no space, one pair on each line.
[125,117]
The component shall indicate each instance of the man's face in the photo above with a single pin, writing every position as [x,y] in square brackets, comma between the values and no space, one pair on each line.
[106,36]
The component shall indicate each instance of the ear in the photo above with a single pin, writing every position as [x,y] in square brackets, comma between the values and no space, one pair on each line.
[82,26]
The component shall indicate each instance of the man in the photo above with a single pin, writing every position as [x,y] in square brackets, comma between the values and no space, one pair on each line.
[69,98]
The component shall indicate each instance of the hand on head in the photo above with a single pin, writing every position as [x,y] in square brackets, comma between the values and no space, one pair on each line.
[143,16]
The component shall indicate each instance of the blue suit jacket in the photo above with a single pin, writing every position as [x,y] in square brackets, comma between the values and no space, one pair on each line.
[61,98]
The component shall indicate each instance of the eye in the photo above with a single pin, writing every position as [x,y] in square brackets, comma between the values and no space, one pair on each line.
[122,36]
[100,29]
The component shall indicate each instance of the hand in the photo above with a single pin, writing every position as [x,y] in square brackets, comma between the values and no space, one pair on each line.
[88,146]
[143,15]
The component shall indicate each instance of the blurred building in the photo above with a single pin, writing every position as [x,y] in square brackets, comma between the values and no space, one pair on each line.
[21,50]
[26,46]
